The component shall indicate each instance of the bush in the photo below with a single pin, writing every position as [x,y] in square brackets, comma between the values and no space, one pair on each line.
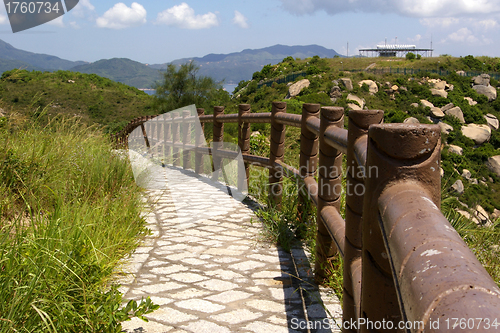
[410,56]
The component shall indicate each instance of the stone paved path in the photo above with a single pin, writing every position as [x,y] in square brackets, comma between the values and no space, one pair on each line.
[206,268]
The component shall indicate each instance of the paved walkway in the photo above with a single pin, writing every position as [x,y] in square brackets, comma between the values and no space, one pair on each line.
[206,268]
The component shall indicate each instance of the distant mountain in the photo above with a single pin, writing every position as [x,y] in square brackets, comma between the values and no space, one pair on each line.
[122,70]
[36,60]
[238,66]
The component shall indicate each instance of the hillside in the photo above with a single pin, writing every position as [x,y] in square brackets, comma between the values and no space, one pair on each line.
[37,60]
[238,66]
[122,70]
[92,98]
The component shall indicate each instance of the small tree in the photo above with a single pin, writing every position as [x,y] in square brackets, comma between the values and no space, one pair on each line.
[181,86]
[410,56]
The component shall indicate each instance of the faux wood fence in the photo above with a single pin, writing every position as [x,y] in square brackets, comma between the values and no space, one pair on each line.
[405,268]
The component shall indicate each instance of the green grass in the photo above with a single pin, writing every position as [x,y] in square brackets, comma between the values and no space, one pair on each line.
[69,212]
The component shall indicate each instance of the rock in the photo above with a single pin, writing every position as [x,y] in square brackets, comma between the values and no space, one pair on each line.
[415,105]
[437,113]
[449,87]
[445,128]
[354,107]
[457,113]
[473,181]
[356,99]
[471,101]
[411,120]
[372,86]
[496,214]
[492,121]
[335,92]
[335,82]
[297,87]
[437,84]
[458,187]
[439,92]
[483,80]
[478,133]
[455,150]
[447,107]
[441,172]
[468,216]
[394,88]
[254,134]
[461,73]
[466,174]
[493,164]
[347,83]
[71,81]
[487,91]
[426,103]
[403,88]
[482,216]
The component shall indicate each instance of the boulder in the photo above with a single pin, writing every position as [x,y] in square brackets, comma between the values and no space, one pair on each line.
[426,103]
[415,105]
[461,73]
[482,216]
[347,83]
[493,164]
[483,80]
[394,88]
[468,216]
[411,120]
[445,128]
[439,92]
[437,112]
[466,174]
[478,133]
[492,121]
[447,107]
[455,150]
[297,87]
[457,113]
[437,84]
[487,91]
[470,101]
[356,99]
[335,92]
[496,214]
[449,87]
[372,86]
[458,187]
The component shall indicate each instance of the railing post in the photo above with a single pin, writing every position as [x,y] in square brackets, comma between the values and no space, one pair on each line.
[186,140]
[244,141]
[218,132]
[277,148]
[396,153]
[167,135]
[199,140]
[359,121]
[308,154]
[329,187]
[176,136]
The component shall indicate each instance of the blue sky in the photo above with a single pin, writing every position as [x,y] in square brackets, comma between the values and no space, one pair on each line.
[154,31]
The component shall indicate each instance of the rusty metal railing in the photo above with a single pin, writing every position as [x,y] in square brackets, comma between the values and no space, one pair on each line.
[405,268]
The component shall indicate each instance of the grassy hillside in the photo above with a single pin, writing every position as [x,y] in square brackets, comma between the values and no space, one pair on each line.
[122,70]
[92,98]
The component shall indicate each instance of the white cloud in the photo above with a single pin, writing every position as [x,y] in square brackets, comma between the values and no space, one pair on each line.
[3,19]
[74,25]
[486,24]
[415,39]
[121,16]
[240,20]
[462,35]
[83,9]
[414,8]
[440,22]
[183,16]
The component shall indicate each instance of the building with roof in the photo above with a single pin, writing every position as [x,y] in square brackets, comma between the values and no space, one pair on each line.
[394,50]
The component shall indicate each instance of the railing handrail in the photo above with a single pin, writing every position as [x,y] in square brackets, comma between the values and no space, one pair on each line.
[390,273]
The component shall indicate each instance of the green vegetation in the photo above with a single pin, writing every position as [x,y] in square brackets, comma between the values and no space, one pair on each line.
[90,97]
[181,86]
[70,210]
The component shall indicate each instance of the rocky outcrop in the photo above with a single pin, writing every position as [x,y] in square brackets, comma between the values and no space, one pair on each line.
[483,80]
[445,128]
[455,150]
[437,84]
[360,102]
[297,87]
[493,164]
[347,83]
[447,107]
[458,187]
[335,92]
[437,112]
[426,104]
[492,121]
[478,133]
[439,92]
[487,91]
[372,86]
[411,120]
[457,113]
[470,101]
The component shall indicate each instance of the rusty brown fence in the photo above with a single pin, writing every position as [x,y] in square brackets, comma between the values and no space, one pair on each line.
[405,267]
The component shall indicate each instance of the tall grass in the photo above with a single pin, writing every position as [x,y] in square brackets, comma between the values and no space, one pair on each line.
[69,211]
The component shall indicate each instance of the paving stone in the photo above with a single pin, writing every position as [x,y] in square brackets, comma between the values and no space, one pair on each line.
[237,316]
[204,326]
[171,316]
[229,296]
